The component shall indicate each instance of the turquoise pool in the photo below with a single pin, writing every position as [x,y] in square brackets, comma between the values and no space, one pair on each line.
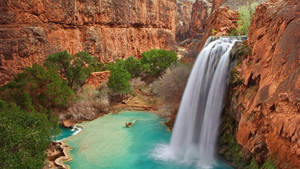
[106,143]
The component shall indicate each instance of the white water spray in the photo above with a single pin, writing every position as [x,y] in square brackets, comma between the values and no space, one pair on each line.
[195,132]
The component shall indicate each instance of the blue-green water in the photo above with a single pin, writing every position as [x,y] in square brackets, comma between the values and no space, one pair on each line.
[65,133]
[106,144]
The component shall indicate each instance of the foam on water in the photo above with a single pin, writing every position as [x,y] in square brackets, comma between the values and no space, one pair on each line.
[66,132]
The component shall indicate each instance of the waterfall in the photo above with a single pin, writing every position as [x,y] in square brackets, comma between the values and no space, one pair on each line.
[195,132]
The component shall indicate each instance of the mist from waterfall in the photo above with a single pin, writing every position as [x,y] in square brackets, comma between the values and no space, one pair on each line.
[195,133]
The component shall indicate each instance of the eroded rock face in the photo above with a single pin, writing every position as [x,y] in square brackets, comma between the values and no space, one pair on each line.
[97,78]
[185,9]
[108,29]
[271,74]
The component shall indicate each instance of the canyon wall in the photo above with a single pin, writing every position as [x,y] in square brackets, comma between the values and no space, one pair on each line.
[30,30]
[267,103]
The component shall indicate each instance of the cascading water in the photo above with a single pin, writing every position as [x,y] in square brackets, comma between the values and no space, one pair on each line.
[196,128]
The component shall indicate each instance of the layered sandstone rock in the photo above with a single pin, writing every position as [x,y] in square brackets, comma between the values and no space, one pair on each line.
[97,78]
[270,101]
[108,29]
[220,22]
[185,9]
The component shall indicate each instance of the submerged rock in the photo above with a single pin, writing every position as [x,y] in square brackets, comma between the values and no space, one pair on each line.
[129,124]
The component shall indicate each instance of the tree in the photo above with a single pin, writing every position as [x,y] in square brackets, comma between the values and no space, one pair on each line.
[75,68]
[245,16]
[38,89]
[155,61]
[119,77]
[133,66]
[24,137]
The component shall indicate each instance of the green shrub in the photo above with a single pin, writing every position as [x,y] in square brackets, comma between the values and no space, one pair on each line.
[119,77]
[233,32]
[38,89]
[235,79]
[24,137]
[133,66]
[269,164]
[253,165]
[213,32]
[245,16]
[75,68]
[244,20]
[155,61]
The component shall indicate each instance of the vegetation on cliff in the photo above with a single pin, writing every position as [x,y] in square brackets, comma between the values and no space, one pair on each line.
[228,147]
[38,89]
[245,17]
[74,68]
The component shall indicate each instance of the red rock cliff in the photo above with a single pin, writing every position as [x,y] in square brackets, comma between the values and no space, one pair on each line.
[271,74]
[108,29]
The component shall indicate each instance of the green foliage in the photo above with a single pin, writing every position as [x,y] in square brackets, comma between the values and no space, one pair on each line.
[133,66]
[233,32]
[213,32]
[235,79]
[244,20]
[245,16]
[75,68]
[38,89]
[269,164]
[155,61]
[119,77]
[24,137]
[253,165]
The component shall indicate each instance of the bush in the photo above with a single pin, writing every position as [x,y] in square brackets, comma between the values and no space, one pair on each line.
[75,68]
[137,83]
[245,16]
[213,32]
[38,89]
[170,86]
[269,164]
[24,137]
[133,66]
[90,103]
[155,61]
[119,78]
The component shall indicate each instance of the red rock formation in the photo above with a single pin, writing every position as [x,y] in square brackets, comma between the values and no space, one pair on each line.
[222,21]
[271,114]
[202,10]
[185,8]
[108,29]
[97,78]
[206,17]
